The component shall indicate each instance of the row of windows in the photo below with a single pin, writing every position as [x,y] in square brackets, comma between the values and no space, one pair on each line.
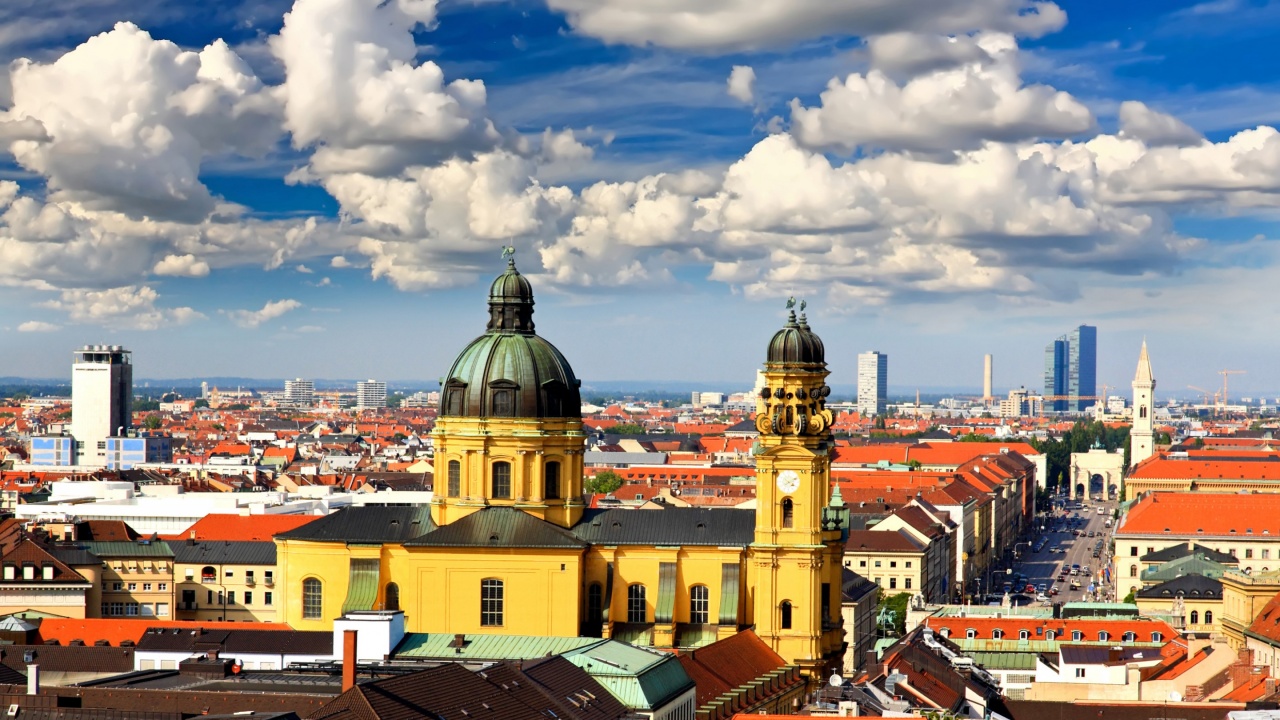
[1208,617]
[227,598]
[892,563]
[123,609]
[500,481]
[1248,552]
[1076,635]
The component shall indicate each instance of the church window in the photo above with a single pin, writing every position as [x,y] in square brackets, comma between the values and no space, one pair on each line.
[1208,617]
[502,480]
[788,513]
[392,601]
[595,602]
[786,614]
[637,611]
[552,479]
[1142,412]
[455,401]
[491,602]
[699,605]
[1195,617]
[312,599]
[455,478]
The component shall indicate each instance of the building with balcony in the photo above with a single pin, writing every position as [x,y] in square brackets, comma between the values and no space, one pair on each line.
[226,580]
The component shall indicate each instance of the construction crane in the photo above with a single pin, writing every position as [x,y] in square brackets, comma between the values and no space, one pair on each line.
[1226,374]
[1205,394]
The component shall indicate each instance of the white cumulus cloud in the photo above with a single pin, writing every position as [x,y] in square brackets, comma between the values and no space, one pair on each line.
[742,83]
[181,266]
[270,311]
[37,326]
[132,307]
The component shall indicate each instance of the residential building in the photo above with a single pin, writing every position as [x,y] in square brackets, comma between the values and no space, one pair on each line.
[34,579]
[1070,370]
[873,383]
[136,578]
[1120,673]
[1244,526]
[858,610]
[1192,603]
[893,559]
[226,580]
[934,529]
[299,392]
[101,400]
[1016,405]
[371,395]
[1221,471]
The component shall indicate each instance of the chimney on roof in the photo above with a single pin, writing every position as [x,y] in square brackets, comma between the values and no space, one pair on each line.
[33,679]
[348,659]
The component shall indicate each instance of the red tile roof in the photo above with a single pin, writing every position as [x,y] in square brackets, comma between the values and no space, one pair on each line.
[1267,623]
[113,630]
[1062,629]
[1206,468]
[1208,514]
[242,527]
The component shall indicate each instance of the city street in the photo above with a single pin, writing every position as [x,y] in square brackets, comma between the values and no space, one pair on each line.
[1042,567]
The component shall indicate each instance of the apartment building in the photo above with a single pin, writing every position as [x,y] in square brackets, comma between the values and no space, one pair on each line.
[226,580]
[892,559]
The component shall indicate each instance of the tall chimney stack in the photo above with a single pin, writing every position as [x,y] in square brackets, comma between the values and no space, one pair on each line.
[986,376]
[348,659]
[33,679]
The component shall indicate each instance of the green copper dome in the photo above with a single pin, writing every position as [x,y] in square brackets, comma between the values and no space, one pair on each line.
[509,371]
[796,344]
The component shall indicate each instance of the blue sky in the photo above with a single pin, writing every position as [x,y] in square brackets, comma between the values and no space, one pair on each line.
[940,180]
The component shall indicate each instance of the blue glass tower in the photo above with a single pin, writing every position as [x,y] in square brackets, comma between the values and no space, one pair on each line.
[1071,370]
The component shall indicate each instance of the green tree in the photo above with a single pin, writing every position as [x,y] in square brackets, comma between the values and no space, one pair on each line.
[879,422]
[202,404]
[152,422]
[626,429]
[604,482]
[897,604]
[395,400]
[1129,598]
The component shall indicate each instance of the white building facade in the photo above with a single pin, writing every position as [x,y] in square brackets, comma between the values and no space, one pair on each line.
[873,383]
[371,394]
[101,400]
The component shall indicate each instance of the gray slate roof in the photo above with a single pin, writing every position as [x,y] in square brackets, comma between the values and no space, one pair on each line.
[236,552]
[296,642]
[138,548]
[499,527]
[1191,587]
[1181,550]
[75,555]
[367,524]
[668,526]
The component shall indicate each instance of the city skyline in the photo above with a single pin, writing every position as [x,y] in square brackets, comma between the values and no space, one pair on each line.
[945,184]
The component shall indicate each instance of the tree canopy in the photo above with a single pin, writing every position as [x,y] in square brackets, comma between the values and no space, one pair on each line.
[605,481]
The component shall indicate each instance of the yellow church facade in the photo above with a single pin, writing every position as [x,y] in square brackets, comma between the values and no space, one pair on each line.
[507,545]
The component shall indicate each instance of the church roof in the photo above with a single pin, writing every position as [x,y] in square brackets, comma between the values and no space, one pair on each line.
[499,527]
[1182,550]
[366,524]
[1191,587]
[668,526]
[1144,366]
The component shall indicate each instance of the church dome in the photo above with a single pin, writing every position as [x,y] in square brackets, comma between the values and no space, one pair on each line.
[796,344]
[510,372]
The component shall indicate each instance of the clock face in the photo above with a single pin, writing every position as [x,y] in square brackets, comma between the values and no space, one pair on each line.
[788,481]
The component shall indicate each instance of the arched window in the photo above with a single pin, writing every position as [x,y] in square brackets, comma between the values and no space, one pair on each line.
[970,634]
[502,480]
[1208,617]
[455,478]
[788,513]
[1142,413]
[1077,635]
[997,634]
[1050,635]
[312,599]
[637,611]
[1195,617]
[1133,571]
[504,402]
[392,601]
[786,614]
[1103,636]
[595,610]
[1157,637]
[208,574]
[945,632]
[491,602]
[1024,634]
[1129,636]
[699,605]
[551,479]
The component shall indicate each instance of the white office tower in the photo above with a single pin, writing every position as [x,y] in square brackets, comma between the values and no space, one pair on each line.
[204,391]
[299,392]
[1142,438]
[873,383]
[371,394]
[101,400]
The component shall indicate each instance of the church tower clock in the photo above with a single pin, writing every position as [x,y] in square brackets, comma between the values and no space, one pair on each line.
[795,556]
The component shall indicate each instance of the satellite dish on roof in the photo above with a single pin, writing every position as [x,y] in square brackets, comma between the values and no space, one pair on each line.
[836,680]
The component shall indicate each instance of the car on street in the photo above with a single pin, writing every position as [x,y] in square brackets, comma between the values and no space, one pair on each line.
[1053,590]
[1042,597]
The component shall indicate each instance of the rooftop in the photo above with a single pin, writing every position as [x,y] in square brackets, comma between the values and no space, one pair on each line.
[1234,515]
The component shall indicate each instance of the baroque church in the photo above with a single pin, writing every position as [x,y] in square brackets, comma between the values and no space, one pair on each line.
[507,545]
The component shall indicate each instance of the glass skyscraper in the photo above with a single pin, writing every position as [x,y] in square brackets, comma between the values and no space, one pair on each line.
[1071,370]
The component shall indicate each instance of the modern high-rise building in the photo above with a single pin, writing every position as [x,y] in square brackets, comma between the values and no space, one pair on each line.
[204,391]
[101,400]
[873,383]
[299,392]
[1071,370]
[371,394]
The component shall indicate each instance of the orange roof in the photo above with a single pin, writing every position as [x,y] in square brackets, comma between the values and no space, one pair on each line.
[956,627]
[113,630]
[1207,468]
[1205,514]
[242,527]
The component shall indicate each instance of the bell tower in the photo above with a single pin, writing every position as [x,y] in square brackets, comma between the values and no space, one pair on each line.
[1142,436]
[795,556]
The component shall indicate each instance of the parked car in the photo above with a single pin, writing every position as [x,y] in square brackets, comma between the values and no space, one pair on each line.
[1053,590]
[1042,597]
